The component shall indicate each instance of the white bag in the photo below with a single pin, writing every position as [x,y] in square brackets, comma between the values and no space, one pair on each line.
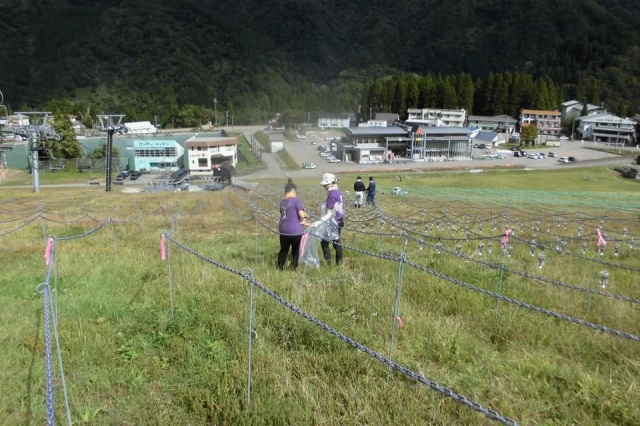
[328,230]
[309,250]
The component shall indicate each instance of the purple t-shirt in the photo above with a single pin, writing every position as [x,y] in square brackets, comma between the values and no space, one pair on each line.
[334,201]
[289,219]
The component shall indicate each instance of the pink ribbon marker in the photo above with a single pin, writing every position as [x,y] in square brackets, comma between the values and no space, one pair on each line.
[163,248]
[601,240]
[303,242]
[505,237]
[47,251]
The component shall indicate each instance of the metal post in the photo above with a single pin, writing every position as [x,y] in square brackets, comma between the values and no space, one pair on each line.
[35,174]
[109,159]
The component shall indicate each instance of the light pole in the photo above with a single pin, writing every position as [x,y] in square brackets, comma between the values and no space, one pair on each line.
[226,123]
[215,106]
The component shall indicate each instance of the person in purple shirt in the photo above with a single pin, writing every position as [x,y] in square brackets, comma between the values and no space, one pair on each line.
[332,208]
[292,217]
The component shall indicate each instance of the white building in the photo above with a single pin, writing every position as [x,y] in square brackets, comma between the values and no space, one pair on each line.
[276,142]
[335,121]
[571,110]
[140,128]
[435,117]
[607,128]
[373,123]
[204,153]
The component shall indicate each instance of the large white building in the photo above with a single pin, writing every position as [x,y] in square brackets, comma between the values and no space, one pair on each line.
[436,117]
[335,121]
[204,153]
[607,128]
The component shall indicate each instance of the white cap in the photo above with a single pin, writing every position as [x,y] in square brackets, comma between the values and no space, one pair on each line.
[328,179]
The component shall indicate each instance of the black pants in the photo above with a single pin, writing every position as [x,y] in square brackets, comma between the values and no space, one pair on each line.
[326,251]
[289,242]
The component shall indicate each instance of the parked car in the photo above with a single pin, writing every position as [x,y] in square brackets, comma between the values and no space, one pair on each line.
[533,156]
[301,136]
[551,154]
[519,154]
[335,160]
[541,155]
[564,138]
[563,159]
[308,165]
[572,159]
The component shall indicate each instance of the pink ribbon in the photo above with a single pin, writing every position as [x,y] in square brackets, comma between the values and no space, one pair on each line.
[303,242]
[163,248]
[505,237]
[47,251]
[400,322]
[601,241]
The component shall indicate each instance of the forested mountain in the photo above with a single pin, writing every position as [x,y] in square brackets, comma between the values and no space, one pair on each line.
[148,58]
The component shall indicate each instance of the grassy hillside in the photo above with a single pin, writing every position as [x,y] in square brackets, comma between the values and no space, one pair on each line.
[427,322]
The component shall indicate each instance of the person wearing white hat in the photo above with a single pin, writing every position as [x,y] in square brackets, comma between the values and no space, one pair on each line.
[332,209]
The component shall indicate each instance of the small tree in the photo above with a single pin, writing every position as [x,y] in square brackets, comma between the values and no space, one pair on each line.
[101,152]
[67,147]
[528,134]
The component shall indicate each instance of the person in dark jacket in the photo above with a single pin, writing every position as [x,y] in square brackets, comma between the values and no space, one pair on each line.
[359,188]
[371,191]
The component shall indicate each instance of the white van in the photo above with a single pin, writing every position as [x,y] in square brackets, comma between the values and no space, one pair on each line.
[563,159]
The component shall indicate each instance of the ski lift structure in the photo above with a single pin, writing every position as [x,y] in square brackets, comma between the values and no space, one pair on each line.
[111,124]
[36,133]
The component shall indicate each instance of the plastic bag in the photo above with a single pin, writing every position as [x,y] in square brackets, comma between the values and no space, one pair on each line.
[309,250]
[328,231]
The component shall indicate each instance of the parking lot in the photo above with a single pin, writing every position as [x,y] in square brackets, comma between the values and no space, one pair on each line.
[307,151]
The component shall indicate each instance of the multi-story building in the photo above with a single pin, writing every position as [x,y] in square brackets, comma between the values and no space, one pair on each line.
[607,128]
[436,117]
[571,110]
[204,153]
[498,123]
[156,154]
[547,122]
[335,121]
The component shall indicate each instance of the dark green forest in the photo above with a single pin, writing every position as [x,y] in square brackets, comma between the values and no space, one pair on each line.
[168,60]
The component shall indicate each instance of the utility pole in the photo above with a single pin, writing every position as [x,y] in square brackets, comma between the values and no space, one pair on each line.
[226,123]
[215,108]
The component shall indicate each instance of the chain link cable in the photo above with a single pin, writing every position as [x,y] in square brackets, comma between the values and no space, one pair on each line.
[489,413]
[540,279]
[526,305]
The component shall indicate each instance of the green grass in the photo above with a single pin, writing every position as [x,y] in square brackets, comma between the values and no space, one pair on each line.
[287,160]
[128,361]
